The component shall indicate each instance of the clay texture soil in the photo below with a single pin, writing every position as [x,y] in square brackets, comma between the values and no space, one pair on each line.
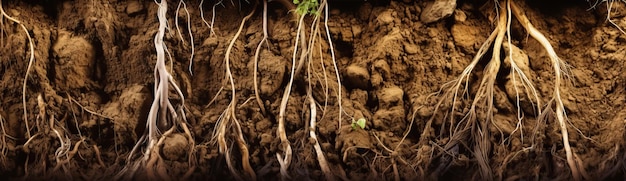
[91,87]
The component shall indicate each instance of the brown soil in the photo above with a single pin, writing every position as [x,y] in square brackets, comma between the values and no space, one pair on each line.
[91,86]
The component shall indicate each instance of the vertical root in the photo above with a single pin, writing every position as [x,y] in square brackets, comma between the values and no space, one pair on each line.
[64,140]
[4,145]
[312,129]
[229,115]
[318,149]
[162,113]
[213,17]
[30,64]
[485,95]
[560,67]
[452,91]
[519,69]
[96,150]
[256,59]
[285,161]
[476,124]
[193,49]
[332,55]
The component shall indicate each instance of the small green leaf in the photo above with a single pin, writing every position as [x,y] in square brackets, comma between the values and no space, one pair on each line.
[361,123]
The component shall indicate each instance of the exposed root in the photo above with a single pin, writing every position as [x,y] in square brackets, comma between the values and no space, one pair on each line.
[70,155]
[332,55]
[452,93]
[284,160]
[256,59]
[560,67]
[476,121]
[318,149]
[393,154]
[71,100]
[4,145]
[213,17]
[30,64]
[312,128]
[304,49]
[96,150]
[193,49]
[202,16]
[609,6]
[162,113]
[60,134]
[228,117]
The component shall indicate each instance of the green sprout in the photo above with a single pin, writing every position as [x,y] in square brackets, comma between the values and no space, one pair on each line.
[306,6]
[358,124]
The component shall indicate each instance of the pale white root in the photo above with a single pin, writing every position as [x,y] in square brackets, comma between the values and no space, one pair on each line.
[318,149]
[62,163]
[213,17]
[609,6]
[256,59]
[323,163]
[452,88]
[485,92]
[332,55]
[202,15]
[451,91]
[212,32]
[228,117]
[158,114]
[285,160]
[519,71]
[193,49]
[4,145]
[30,64]
[61,135]
[471,125]
[560,67]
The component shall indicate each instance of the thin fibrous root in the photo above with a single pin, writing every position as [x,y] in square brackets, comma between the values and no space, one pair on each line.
[70,155]
[30,64]
[228,117]
[193,49]
[213,17]
[4,145]
[560,68]
[64,140]
[256,59]
[451,89]
[609,6]
[519,68]
[484,95]
[468,125]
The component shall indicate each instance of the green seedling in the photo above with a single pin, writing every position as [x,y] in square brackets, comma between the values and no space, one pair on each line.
[358,124]
[306,6]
